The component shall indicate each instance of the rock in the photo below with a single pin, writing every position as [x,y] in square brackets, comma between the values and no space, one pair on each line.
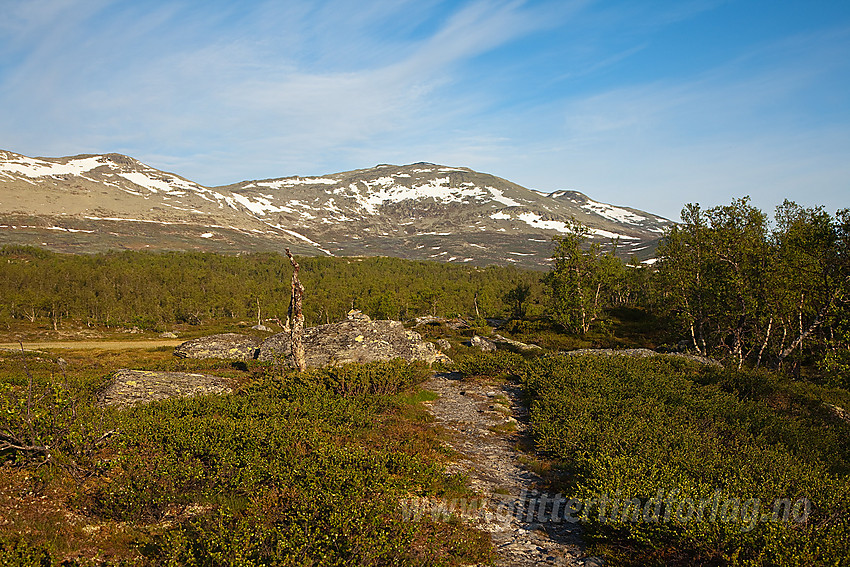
[168,335]
[510,344]
[482,343]
[227,345]
[261,327]
[354,341]
[837,411]
[641,353]
[456,324]
[129,387]
[357,315]
[444,344]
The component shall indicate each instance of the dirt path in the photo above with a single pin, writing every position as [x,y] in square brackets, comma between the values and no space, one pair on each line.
[104,345]
[510,506]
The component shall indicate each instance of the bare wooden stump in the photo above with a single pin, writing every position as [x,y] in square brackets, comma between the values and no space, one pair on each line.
[296,317]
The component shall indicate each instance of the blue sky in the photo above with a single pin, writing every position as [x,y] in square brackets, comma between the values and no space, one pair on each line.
[646,103]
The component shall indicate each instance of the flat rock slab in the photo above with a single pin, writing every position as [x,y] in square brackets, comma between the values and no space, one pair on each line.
[231,346]
[130,387]
[641,353]
[354,341]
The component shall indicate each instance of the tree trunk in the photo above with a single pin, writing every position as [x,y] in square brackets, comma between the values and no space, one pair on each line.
[296,316]
[803,334]
[766,339]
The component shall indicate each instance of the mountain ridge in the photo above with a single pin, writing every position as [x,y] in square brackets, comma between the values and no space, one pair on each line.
[425,211]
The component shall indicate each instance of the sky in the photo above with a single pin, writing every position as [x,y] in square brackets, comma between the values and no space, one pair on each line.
[644,103]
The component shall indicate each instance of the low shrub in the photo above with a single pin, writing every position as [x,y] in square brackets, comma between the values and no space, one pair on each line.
[499,364]
[666,460]
[294,469]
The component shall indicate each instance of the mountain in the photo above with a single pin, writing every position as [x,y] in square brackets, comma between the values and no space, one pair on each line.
[423,211]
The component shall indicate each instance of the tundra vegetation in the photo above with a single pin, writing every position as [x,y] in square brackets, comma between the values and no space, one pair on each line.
[297,468]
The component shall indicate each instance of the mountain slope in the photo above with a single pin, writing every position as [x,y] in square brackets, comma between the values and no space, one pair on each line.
[424,211]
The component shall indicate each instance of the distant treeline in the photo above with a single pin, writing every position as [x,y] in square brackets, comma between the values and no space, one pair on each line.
[154,290]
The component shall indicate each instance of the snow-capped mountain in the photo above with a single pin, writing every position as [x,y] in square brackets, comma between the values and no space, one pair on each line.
[421,211]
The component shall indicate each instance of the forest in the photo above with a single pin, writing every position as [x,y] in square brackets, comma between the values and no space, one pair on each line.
[153,291]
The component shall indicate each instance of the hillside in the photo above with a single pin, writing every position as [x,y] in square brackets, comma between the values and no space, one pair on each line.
[422,211]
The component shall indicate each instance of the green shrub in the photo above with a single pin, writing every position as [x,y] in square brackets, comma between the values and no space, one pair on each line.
[627,428]
[19,553]
[498,364]
[290,471]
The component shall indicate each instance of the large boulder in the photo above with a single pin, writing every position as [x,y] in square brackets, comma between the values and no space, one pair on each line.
[227,345]
[486,345]
[353,341]
[130,387]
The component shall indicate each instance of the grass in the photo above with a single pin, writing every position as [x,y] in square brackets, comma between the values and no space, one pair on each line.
[418,396]
[504,428]
[78,330]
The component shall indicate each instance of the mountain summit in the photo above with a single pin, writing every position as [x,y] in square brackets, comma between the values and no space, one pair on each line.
[422,211]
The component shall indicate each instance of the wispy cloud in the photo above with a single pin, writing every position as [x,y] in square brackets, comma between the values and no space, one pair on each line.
[234,94]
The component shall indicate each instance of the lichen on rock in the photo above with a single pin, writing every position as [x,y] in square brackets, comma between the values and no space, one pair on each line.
[226,345]
[354,341]
[130,387]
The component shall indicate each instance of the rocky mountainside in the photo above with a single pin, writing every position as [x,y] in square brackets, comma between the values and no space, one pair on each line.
[422,211]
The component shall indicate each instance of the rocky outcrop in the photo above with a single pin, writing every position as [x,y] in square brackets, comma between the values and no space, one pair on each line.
[505,343]
[496,341]
[130,387]
[354,341]
[456,323]
[227,345]
[480,342]
[641,353]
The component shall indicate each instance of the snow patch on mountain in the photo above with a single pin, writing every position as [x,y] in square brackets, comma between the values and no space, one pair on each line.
[613,213]
[33,168]
[384,190]
[611,235]
[168,185]
[499,196]
[292,182]
[261,206]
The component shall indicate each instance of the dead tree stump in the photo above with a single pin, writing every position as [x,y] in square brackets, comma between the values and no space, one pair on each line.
[296,317]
